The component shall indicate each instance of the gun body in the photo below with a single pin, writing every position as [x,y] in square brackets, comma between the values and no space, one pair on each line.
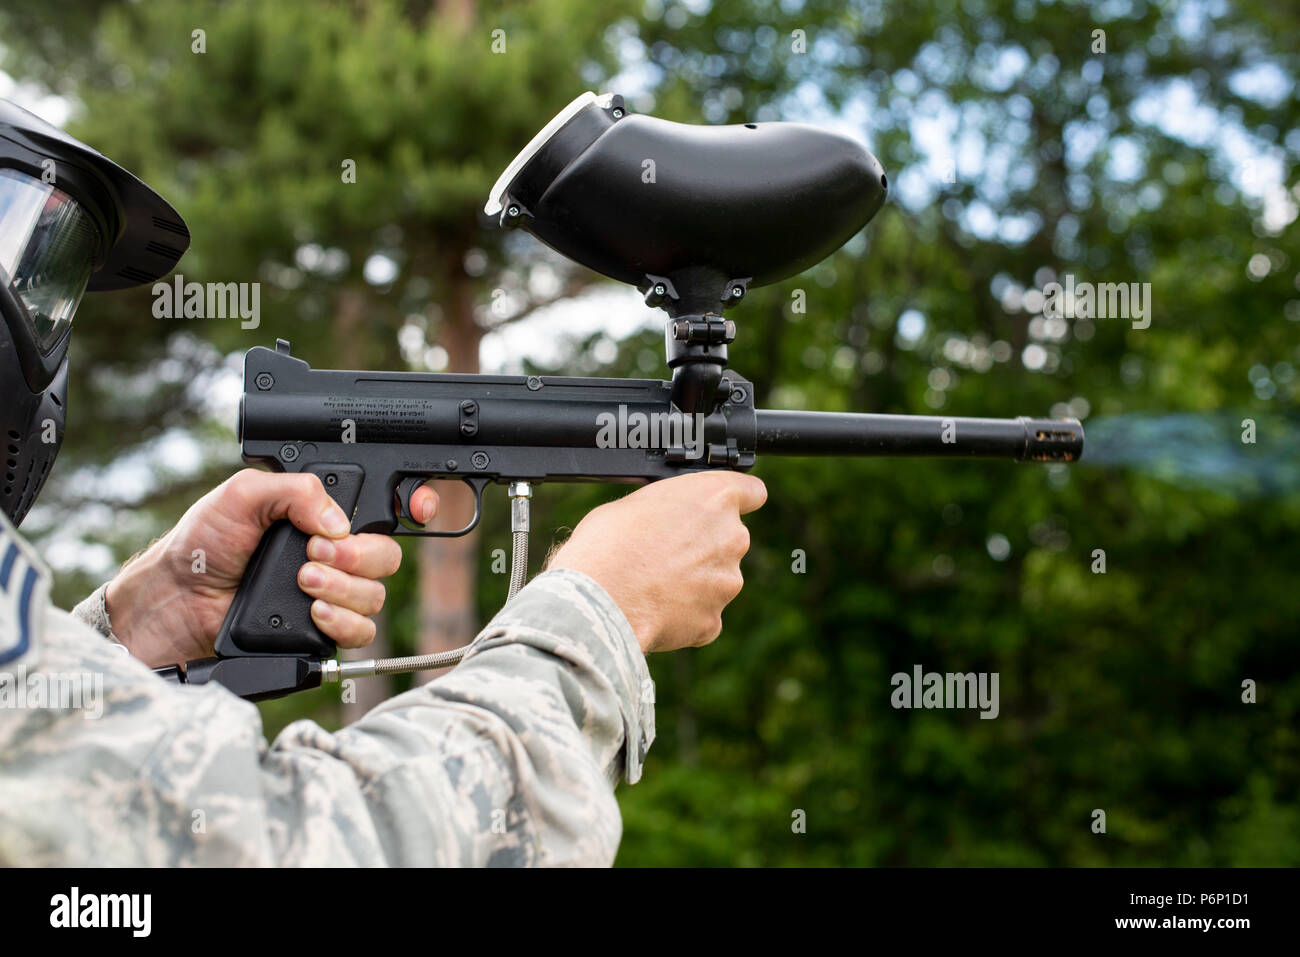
[373,438]
[472,427]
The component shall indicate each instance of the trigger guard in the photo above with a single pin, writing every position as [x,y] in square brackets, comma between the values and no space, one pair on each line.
[406,488]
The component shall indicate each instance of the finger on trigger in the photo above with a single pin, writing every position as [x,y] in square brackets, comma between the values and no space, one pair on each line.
[424,504]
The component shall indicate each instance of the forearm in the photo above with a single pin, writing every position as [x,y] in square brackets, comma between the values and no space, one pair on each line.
[510,758]
[141,603]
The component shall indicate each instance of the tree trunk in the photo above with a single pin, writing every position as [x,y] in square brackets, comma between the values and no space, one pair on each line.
[364,693]
[449,566]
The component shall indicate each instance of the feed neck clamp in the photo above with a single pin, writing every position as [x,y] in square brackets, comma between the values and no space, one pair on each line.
[696,336]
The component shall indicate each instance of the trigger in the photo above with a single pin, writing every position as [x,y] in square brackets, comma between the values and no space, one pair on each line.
[405,489]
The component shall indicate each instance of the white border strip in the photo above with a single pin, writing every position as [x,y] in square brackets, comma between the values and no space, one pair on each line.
[494,203]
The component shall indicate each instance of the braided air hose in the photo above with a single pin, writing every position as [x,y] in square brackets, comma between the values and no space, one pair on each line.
[520,493]
[518,563]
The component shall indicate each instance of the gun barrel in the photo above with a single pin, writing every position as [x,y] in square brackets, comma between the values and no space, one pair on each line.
[783,432]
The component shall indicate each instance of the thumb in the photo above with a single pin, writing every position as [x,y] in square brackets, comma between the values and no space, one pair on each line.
[268,497]
[753,492]
[749,490]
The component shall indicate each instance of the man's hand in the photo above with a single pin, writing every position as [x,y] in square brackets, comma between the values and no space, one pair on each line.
[669,554]
[167,605]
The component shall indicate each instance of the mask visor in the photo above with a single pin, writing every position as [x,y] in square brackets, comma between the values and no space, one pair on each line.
[48,249]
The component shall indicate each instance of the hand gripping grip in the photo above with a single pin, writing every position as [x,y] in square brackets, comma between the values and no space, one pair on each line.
[271,615]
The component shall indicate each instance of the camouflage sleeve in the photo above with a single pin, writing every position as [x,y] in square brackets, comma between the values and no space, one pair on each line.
[508,759]
[93,611]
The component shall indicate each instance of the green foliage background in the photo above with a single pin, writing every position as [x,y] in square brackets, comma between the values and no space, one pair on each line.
[1120,691]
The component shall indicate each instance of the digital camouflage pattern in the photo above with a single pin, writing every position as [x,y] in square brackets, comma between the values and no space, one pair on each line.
[509,759]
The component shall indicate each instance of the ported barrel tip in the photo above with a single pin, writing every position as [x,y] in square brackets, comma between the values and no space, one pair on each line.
[1052,440]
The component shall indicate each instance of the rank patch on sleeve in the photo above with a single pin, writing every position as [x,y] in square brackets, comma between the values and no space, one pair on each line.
[24,586]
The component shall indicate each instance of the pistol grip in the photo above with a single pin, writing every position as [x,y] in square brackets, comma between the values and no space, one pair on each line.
[271,615]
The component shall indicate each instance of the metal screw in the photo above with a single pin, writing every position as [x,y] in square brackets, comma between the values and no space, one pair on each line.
[512,211]
[451,465]
[469,406]
[264,381]
[737,395]
[289,452]
[617,113]
[737,292]
[276,621]
[660,289]
[468,428]
[534,383]
[479,460]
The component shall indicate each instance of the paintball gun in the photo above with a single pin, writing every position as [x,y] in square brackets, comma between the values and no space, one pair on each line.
[727,208]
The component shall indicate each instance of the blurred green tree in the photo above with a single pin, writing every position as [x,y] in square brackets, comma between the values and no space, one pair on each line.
[1122,142]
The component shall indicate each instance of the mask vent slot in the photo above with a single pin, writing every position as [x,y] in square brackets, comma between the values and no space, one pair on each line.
[134,275]
[11,462]
[162,249]
[171,227]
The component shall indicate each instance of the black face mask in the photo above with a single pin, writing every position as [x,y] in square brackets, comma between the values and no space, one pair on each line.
[33,411]
[71,221]
[48,248]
